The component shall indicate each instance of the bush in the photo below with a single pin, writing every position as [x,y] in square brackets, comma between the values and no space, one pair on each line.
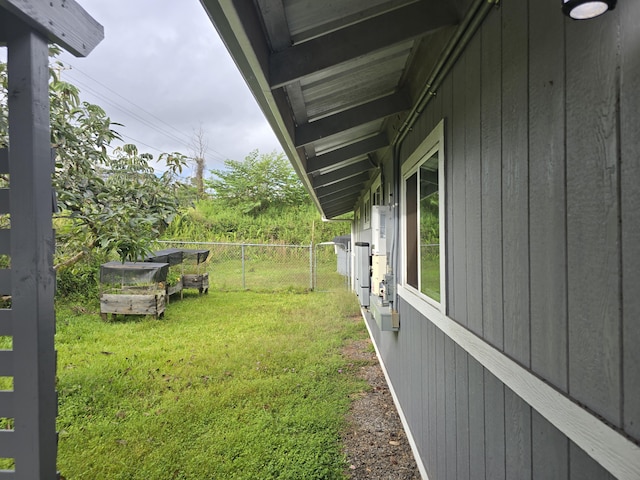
[216,221]
[81,281]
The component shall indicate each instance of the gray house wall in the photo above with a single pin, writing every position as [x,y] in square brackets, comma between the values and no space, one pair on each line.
[542,134]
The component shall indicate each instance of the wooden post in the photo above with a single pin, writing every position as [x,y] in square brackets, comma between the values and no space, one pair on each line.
[32,244]
[27,28]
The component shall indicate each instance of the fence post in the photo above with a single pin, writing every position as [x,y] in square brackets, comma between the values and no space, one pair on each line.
[311,266]
[243,276]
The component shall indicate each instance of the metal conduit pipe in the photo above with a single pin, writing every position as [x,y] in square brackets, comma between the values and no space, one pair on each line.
[456,45]
[454,48]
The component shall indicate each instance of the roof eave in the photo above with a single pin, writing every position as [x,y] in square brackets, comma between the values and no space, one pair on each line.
[241,45]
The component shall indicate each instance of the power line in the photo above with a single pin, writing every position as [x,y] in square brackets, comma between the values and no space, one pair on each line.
[142,143]
[169,134]
[188,137]
[129,112]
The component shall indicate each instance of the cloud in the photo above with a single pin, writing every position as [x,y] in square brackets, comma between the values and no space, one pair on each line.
[166,57]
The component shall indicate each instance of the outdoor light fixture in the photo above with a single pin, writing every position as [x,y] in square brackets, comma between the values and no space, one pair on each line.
[584,9]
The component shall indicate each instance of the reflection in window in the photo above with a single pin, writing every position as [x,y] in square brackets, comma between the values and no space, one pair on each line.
[429,229]
[423,228]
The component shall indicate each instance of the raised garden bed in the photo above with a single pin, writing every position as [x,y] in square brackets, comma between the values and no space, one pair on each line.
[174,288]
[133,288]
[200,281]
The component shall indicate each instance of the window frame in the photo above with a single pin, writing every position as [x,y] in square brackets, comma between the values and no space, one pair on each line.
[433,144]
[366,211]
[376,192]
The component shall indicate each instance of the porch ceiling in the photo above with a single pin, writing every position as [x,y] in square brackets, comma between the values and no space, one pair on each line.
[335,78]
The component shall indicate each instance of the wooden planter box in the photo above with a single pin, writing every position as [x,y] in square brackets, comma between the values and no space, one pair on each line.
[175,288]
[152,303]
[196,280]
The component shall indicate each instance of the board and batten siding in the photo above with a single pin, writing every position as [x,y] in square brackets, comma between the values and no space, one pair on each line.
[542,145]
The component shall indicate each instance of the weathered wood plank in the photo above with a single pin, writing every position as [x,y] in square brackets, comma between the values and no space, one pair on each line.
[517,416]
[473,185]
[199,281]
[172,290]
[476,420]
[494,427]
[63,22]
[462,413]
[515,181]
[550,450]
[583,467]
[547,213]
[175,288]
[630,211]
[457,208]
[450,408]
[593,235]
[491,132]
[142,304]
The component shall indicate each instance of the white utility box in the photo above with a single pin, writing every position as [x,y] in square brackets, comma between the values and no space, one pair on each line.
[378,271]
[380,215]
[363,273]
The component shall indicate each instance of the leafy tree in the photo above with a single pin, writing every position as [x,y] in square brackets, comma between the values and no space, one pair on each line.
[111,202]
[126,208]
[258,182]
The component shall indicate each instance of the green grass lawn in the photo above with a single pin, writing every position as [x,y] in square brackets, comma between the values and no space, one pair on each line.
[230,385]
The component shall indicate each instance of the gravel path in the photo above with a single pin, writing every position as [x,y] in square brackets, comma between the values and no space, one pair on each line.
[375,443]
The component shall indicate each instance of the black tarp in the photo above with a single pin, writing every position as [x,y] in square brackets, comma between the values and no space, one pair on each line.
[198,255]
[133,273]
[172,256]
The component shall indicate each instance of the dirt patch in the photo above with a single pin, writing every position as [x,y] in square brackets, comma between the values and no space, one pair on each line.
[376,445]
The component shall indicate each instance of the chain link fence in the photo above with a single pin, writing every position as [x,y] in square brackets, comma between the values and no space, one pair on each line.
[248,266]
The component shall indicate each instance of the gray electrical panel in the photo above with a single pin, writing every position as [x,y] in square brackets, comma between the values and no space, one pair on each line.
[363,272]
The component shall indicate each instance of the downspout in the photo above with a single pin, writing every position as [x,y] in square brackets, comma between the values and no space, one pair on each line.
[452,51]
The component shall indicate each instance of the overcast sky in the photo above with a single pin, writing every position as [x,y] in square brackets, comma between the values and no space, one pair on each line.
[162,71]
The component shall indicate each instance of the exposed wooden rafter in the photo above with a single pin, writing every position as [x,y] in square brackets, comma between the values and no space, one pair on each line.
[353,117]
[330,83]
[357,149]
[345,184]
[275,23]
[340,200]
[356,40]
[342,173]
